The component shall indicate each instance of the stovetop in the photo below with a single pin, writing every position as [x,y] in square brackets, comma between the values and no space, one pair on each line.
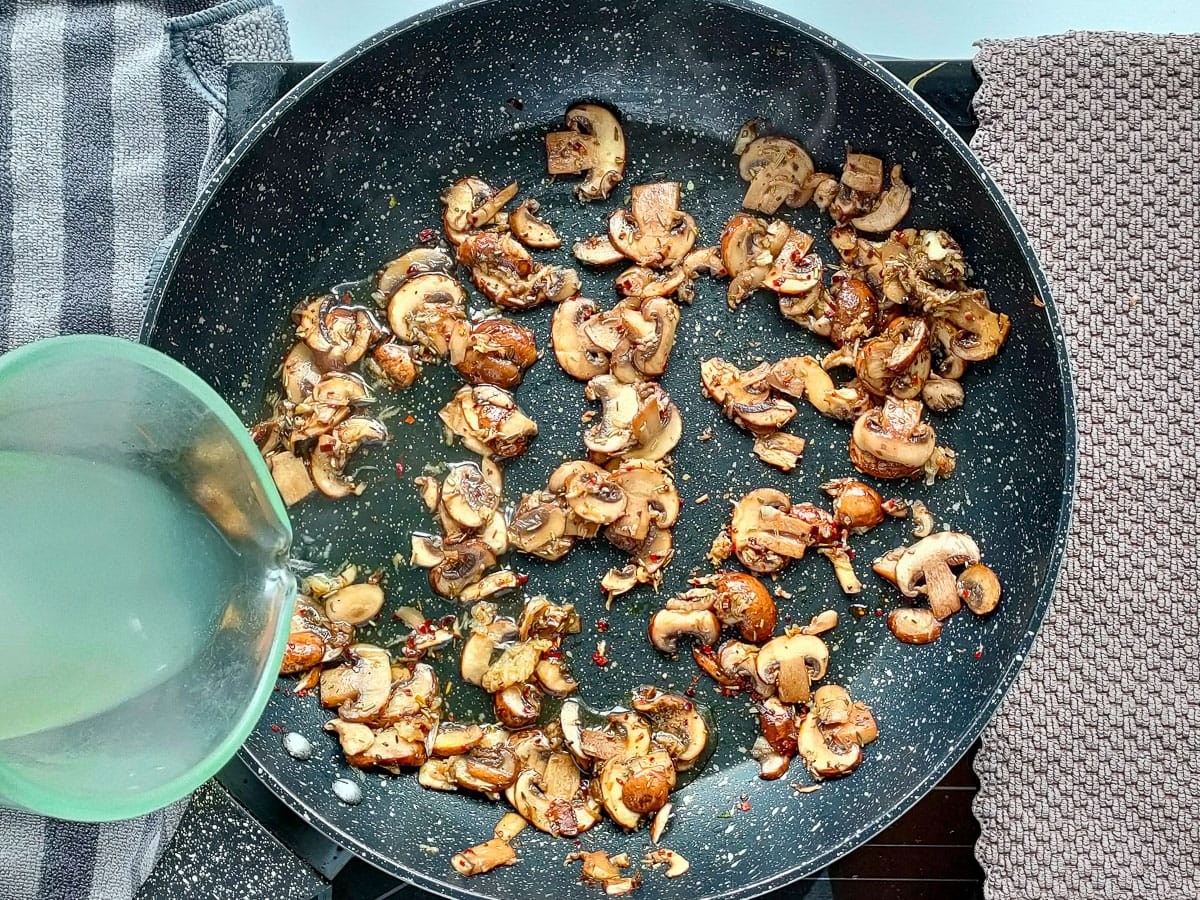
[238,841]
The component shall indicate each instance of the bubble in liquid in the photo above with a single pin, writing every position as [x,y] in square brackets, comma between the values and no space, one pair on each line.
[348,791]
[297,745]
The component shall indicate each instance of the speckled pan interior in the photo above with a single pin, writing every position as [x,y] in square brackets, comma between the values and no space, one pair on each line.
[344,174]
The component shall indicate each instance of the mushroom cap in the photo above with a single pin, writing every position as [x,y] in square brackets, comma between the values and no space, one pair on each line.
[980,589]
[653,231]
[950,548]
[594,143]
[777,169]
[895,434]
[530,230]
[914,626]
[743,601]
[823,758]
[589,491]
[613,433]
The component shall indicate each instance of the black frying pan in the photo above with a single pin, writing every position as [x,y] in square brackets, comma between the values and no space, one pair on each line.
[346,171]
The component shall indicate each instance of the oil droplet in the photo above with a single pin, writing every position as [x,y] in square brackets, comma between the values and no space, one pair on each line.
[348,791]
[297,745]
[858,610]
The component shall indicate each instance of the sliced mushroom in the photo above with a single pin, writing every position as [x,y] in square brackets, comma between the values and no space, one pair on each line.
[454,739]
[472,203]
[653,231]
[597,250]
[648,326]
[803,377]
[831,703]
[658,425]
[859,728]
[748,524]
[496,351]
[824,621]
[856,506]
[669,626]
[739,661]
[504,272]
[467,497]
[767,530]
[361,686]
[579,356]
[462,565]
[779,449]
[518,705]
[553,676]
[484,857]
[745,397]
[892,441]
[417,261]
[329,456]
[791,663]
[640,281]
[771,765]
[553,809]
[825,759]
[355,603]
[594,143]
[979,588]
[530,230]
[313,638]
[491,585]
[914,626]
[749,247]
[739,600]
[885,565]
[677,725]
[777,720]
[538,526]
[353,737]
[777,169]
[486,769]
[925,568]
[633,786]
[300,373]
[589,491]
[651,500]
[893,206]
[291,477]
[489,421]
[843,569]
[613,433]
[394,363]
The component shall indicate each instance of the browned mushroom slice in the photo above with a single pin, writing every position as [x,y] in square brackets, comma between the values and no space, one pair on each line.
[795,271]
[892,207]
[825,758]
[462,564]
[767,530]
[892,441]
[489,421]
[640,281]
[361,686]
[579,356]
[329,457]
[803,376]
[896,362]
[925,568]
[748,250]
[421,308]
[530,230]
[779,449]
[651,500]
[499,266]
[594,143]
[290,476]
[777,169]
[472,203]
[658,424]
[635,786]
[497,351]
[313,638]
[790,663]
[854,311]
[653,231]
[678,727]
[538,526]
[597,250]
[613,433]
[417,261]
[589,491]
[745,397]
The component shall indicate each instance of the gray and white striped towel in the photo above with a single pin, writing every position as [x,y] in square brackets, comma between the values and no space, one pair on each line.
[111,113]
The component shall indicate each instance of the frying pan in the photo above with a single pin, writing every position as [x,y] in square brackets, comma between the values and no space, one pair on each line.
[344,174]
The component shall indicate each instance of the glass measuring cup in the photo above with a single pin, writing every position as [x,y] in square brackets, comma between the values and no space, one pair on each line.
[144,584]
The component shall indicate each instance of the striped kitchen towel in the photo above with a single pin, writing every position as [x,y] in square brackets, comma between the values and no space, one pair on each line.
[111,114]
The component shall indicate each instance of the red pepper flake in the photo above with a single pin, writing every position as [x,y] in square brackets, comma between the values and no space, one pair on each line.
[399,468]
[850,554]
[602,624]
[744,803]
[276,729]
[691,688]
[425,235]
[978,654]
[408,420]
[965,594]
[879,612]
[554,653]
[600,659]
[346,298]
[522,579]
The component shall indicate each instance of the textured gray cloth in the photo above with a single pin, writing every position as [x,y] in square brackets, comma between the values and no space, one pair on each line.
[1089,772]
[110,112]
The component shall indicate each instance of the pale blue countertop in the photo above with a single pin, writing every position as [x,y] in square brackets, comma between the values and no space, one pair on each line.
[916,29]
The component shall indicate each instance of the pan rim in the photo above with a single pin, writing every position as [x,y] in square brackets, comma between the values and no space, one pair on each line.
[159,281]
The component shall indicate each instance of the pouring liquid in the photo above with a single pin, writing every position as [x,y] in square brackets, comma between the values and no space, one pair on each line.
[117,567]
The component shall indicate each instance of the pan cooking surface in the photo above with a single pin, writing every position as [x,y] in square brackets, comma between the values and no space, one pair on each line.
[346,175]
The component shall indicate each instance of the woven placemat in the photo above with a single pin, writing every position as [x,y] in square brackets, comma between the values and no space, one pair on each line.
[1089,771]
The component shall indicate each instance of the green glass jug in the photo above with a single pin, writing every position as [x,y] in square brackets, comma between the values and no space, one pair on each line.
[144,584]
